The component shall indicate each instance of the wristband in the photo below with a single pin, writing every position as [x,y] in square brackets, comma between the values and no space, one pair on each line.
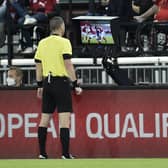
[40,84]
[75,84]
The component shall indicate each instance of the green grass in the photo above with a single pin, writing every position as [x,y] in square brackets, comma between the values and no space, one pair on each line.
[93,40]
[84,163]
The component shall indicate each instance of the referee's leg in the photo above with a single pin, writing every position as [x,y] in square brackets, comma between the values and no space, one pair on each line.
[64,123]
[42,134]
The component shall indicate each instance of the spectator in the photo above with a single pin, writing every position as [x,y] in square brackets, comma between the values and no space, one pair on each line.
[141,6]
[121,8]
[39,11]
[98,9]
[2,21]
[20,8]
[2,10]
[14,77]
[159,9]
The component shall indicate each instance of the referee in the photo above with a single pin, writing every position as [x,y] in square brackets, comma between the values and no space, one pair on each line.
[53,71]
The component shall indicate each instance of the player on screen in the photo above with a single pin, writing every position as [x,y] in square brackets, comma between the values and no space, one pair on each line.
[85,32]
[100,34]
[92,33]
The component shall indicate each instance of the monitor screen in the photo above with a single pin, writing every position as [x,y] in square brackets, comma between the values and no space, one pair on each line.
[96,32]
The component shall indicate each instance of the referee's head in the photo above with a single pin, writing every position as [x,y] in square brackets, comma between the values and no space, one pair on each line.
[57,26]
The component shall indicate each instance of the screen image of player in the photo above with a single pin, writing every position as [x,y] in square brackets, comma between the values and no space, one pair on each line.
[96,32]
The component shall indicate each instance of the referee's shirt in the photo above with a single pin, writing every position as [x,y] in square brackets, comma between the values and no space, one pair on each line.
[51,52]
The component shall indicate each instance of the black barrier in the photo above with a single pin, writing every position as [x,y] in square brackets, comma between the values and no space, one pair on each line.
[99,87]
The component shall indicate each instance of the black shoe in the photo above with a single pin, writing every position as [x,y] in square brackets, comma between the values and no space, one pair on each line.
[67,157]
[44,156]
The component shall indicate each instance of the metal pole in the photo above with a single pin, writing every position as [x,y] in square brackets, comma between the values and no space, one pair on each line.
[9,34]
[70,13]
[92,7]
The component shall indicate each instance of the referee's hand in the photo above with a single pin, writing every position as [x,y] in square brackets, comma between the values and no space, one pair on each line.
[39,93]
[76,87]
[78,90]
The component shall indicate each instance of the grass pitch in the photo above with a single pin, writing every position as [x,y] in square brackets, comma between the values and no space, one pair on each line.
[93,40]
[84,163]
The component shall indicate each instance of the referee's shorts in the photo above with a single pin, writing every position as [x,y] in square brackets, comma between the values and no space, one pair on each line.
[57,94]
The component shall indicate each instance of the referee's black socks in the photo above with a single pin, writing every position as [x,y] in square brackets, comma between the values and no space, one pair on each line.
[42,137]
[64,137]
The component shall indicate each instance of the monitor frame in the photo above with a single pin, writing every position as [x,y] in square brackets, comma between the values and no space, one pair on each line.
[107,20]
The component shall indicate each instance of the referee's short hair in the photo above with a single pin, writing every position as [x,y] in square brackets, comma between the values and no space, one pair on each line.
[55,23]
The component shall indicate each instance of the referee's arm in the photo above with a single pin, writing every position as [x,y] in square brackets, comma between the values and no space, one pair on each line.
[39,71]
[70,68]
[71,72]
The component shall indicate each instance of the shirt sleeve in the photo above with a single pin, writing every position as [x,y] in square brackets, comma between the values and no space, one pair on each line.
[67,49]
[37,56]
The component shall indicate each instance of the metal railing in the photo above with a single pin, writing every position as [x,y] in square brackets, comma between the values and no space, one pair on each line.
[146,74]
[150,70]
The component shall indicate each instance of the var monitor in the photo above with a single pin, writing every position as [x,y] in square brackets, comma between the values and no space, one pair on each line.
[94,31]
